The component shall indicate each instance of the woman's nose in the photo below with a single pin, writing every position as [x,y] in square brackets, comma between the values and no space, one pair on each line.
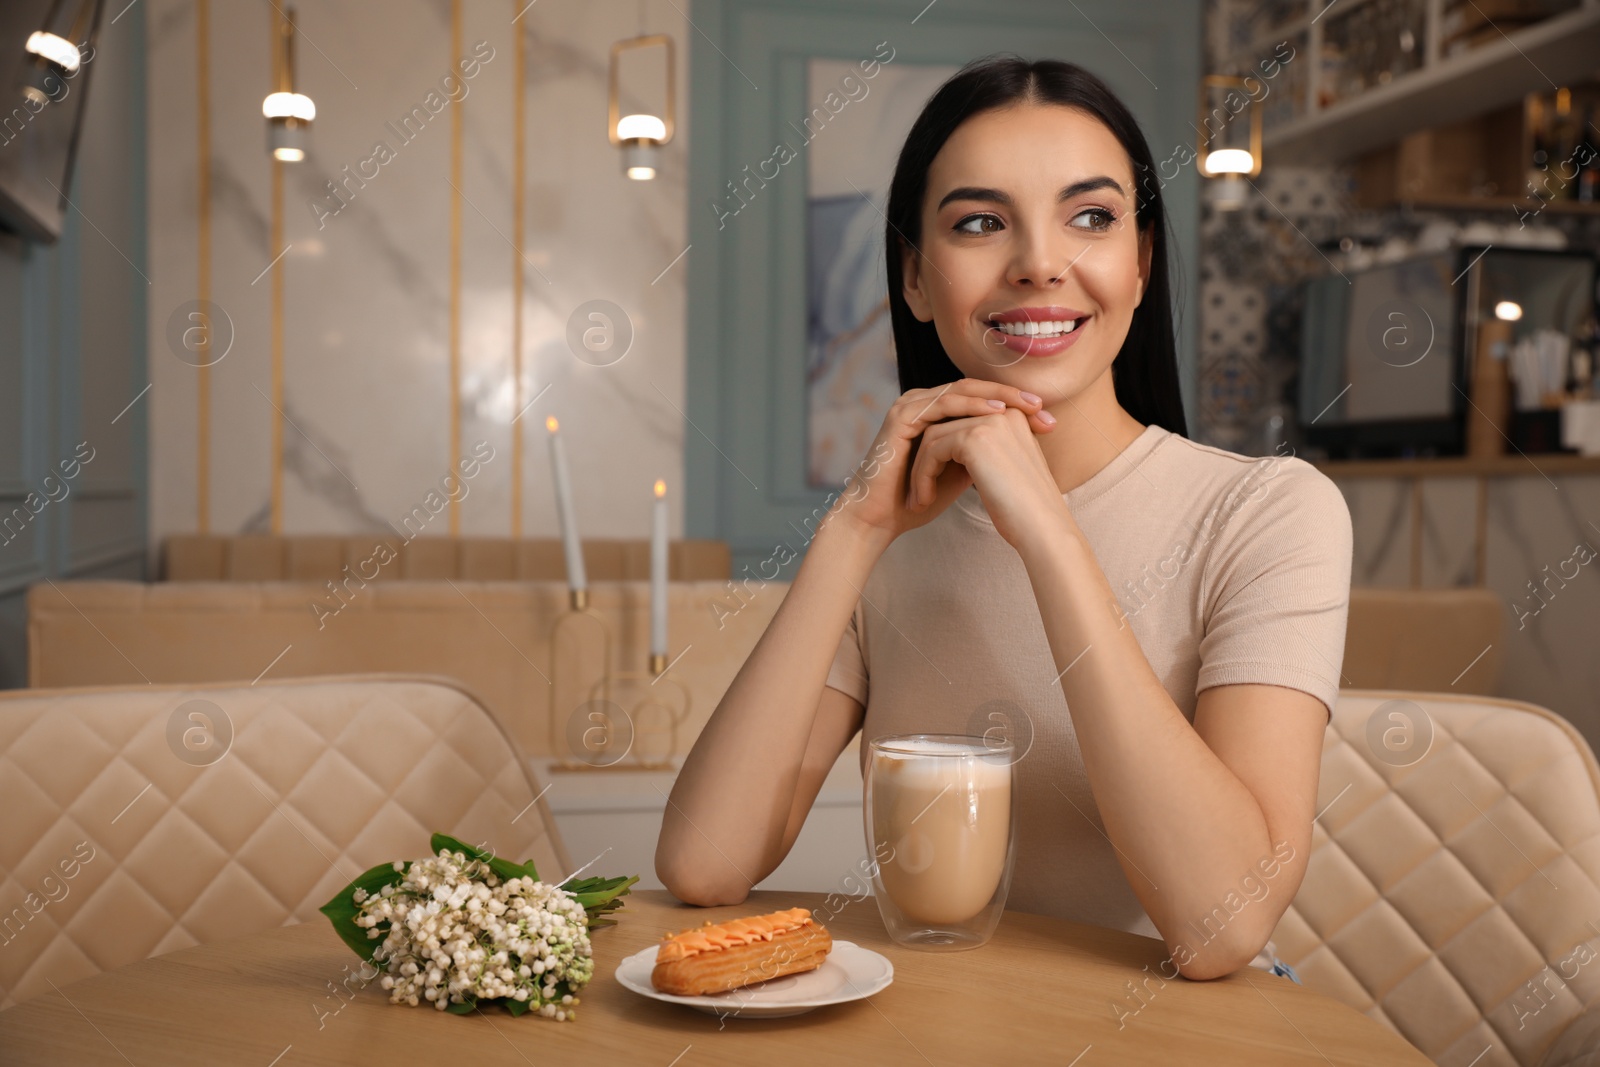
[1041,260]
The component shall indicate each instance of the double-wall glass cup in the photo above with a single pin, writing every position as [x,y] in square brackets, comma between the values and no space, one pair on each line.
[941,824]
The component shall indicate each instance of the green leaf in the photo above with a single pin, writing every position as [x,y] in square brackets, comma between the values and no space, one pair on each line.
[515,1006]
[466,1006]
[505,870]
[343,909]
[599,896]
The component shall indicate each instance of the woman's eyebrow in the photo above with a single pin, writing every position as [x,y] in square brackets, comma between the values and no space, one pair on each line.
[1001,197]
[976,192]
[1089,185]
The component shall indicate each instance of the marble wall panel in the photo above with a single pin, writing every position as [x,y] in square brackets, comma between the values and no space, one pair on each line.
[1539,532]
[1449,532]
[1380,516]
[366,271]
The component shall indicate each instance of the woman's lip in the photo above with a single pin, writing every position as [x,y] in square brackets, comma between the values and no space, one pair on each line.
[1034,345]
[1053,313]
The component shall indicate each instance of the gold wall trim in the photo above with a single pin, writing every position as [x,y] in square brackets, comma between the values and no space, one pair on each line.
[275,242]
[202,446]
[277,349]
[455,270]
[518,179]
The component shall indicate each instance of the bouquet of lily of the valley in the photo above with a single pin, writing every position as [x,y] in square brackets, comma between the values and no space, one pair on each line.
[463,927]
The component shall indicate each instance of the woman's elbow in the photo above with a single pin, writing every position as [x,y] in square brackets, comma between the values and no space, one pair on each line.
[1216,964]
[699,891]
[1222,956]
[691,881]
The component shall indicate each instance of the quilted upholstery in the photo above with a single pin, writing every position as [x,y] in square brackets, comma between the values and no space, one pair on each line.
[1456,897]
[114,847]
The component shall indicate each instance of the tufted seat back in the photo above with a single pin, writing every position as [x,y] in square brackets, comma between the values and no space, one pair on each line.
[138,821]
[1453,890]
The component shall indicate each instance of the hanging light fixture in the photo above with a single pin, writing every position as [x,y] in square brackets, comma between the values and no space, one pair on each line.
[640,136]
[1229,145]
[55,50]
[288,113]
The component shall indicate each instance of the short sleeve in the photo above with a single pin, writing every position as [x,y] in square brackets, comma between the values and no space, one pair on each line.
[849,671]
[1276,592]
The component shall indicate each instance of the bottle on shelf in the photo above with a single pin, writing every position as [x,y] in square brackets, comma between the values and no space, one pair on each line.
[1538,178]
[1585,347]
[1562,146]
[1586,187]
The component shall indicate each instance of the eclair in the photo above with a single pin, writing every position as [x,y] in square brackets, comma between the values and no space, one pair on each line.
[717,957]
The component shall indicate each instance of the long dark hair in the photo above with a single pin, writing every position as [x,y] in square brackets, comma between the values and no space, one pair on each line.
[1145,371]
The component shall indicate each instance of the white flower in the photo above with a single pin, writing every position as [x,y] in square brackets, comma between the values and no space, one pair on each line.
[453,933]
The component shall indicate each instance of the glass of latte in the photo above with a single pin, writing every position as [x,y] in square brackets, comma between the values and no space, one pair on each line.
[939,820]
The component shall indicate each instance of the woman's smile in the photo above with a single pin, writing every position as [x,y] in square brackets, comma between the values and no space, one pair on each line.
[1035,331]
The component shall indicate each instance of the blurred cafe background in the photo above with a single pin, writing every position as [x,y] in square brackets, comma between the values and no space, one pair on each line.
[352,342]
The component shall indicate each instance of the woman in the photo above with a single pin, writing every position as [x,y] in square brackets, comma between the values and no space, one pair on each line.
[1160,622]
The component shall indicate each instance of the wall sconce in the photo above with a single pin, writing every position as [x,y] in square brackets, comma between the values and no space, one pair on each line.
[640,136]
[288,113]
[54,50]
[1228,149]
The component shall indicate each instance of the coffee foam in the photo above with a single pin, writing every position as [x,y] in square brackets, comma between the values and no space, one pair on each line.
[938,761]
[922,746]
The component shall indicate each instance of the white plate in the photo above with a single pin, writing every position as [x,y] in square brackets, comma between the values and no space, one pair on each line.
[849,972]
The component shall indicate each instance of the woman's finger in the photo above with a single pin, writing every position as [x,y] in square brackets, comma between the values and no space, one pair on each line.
[965,397]
[981,387]
[950,405]
[937,451]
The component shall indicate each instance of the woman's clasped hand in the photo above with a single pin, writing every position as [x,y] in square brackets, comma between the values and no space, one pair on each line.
[935,443]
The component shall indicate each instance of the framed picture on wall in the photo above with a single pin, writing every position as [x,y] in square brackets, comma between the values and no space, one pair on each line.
[854,127]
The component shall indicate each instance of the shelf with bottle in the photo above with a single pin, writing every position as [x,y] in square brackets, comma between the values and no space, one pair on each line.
[1374,79]
[1465,25]
[1561,143]
[1369,45]
[1248,27]
[1539,155]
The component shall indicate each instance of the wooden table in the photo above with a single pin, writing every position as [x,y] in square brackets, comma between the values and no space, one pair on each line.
[1043,991]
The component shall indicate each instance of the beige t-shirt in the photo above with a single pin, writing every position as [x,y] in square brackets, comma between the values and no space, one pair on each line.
[1229,569]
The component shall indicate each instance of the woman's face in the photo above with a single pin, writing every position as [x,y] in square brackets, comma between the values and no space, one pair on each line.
[1031,262]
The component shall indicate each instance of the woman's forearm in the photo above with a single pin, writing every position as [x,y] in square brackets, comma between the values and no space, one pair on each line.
[1184,826]
[725,818]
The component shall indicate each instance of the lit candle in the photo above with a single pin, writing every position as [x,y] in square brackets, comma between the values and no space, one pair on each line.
[576,578]
[658,574]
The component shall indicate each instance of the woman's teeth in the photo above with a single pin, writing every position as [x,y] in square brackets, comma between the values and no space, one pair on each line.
[1030,328]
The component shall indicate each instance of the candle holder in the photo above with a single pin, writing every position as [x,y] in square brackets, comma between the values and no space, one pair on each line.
[663,705]
[578,609]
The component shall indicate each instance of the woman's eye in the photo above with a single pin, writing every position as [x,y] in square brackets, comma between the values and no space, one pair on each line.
[1098,219]
[979,224]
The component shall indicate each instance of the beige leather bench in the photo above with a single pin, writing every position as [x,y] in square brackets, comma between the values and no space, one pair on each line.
[248,558]
[1453,889]
[1424,640]
[493,636]
[144,819]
